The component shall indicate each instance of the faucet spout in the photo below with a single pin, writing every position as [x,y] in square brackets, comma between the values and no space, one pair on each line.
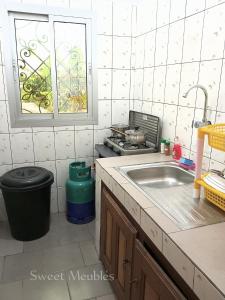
[204,119]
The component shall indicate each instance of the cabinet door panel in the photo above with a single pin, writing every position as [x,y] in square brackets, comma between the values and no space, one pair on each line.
[108,244]
[121,259]
[117,239]
[149,280]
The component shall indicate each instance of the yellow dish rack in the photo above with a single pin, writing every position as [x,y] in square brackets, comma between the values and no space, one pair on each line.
[216,139]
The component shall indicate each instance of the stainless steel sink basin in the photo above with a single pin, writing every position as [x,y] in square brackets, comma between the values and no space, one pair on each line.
[160,176]
[170,188]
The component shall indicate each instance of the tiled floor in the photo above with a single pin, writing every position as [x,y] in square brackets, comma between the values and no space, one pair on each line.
[66,255]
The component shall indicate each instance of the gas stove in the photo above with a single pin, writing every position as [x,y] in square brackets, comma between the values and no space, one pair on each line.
[115,146]
[121,147]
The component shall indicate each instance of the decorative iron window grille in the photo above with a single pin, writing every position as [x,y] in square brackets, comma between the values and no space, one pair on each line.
[52,69]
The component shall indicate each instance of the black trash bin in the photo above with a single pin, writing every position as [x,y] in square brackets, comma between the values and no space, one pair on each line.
[27,193]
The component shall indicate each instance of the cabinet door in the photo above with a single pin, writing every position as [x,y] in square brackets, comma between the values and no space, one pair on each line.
[107,234]
[149,281]
[117,245]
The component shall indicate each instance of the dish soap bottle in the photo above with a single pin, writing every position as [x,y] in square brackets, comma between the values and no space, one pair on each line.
[177,150]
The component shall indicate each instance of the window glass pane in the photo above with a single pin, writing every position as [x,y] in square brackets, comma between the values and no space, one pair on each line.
[70,45]
[33,56]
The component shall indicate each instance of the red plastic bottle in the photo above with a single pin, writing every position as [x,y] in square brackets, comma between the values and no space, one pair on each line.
[177,150]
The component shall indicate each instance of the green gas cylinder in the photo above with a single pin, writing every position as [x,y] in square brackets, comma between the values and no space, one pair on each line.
[80,194]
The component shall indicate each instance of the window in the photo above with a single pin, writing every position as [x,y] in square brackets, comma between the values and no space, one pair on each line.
[50,71]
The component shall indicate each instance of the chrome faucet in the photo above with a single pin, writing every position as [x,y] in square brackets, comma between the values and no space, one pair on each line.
[204,121]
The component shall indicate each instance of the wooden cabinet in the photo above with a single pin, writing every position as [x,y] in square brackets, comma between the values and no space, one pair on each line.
[124,254]
[149,281]
[116,244]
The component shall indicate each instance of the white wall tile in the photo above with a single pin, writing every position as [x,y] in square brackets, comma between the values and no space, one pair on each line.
[209,76]
[189,77]
[4,128]
[157,109]
[146,107]
[2,85]
[104,51]
[121,84]
[163,12]
[64,144]
[192,38]
[169,121]
[139,50]
[61,199]
[80,4]
[44,146]
[184,125]
[84,143]
[5,151]
[172,84]
[54,201]
[213,33]
[138,84]
[62,167]
[104,84]
[210,3]
[148,84]
[122,18]
[120,111]
[138,105]
[100,135]
[175,46]
[144,22]
[121,52]
[177,10]
[149,55]
[104,114]
[103,10]
[161,46]
[159,84]
[22,147]
[194,6]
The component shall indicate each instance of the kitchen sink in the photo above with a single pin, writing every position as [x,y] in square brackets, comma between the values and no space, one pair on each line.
[170,188]
[160,176]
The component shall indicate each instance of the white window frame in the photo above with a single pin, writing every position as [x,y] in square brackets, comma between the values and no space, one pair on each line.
[19,119]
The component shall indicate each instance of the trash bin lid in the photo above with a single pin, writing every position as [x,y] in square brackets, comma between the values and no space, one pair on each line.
[25,177]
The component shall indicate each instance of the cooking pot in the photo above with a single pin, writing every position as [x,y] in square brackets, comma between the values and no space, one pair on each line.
[135,136]
[119,129]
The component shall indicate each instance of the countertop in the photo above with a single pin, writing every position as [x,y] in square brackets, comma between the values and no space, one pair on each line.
[204,247]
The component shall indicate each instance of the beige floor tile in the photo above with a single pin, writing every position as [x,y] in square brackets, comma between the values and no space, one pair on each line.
[89,253]
[19,266]
[9,245]
[81,288]
[10,291]
[45,290]
[50,240]
[60,258]
[73,233]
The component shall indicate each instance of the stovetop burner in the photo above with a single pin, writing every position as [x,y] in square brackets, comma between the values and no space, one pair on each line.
[122,147]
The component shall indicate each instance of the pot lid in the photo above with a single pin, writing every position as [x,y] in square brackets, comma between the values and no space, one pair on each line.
[25,176]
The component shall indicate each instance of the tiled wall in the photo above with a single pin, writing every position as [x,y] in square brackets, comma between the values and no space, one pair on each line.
[177,44]
[55,147]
